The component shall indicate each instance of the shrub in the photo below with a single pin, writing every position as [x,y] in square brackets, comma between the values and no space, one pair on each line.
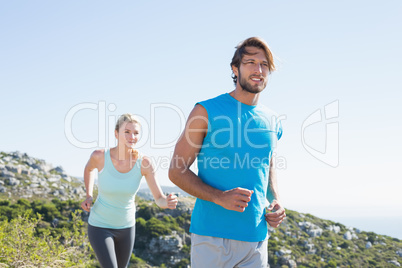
[21,247]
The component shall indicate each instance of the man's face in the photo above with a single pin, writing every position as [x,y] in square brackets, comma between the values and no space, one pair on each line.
[252,75]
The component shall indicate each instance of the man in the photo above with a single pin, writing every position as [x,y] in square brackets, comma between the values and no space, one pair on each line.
[233,138]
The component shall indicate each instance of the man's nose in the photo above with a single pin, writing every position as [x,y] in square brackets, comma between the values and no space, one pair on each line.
[259,68]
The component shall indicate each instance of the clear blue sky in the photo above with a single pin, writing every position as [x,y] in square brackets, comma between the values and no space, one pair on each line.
[135,55]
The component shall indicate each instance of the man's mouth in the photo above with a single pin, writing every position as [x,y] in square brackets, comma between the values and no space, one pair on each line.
[256,79]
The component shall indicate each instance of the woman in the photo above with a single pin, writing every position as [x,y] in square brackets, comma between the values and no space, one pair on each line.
[111,223]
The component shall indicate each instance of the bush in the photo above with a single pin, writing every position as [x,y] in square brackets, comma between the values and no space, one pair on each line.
[21,247]
[156,228]
[331,264]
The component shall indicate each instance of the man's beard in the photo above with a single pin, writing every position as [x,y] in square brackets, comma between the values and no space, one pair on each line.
[249,88]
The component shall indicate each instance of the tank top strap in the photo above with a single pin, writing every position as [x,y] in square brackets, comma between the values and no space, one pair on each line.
[108,161]
[136,169]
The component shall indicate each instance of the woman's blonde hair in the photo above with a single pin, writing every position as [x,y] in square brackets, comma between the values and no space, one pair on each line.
[126,118]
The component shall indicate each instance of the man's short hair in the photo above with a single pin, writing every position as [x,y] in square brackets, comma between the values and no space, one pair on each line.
[241,50]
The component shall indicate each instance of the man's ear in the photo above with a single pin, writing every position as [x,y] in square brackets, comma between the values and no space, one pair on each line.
[235,71]
[116,134]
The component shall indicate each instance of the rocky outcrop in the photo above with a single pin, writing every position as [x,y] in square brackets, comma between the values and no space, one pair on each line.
[310,228]
[163,246]
[22,176]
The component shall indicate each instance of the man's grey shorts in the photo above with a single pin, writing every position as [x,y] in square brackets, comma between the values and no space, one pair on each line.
[211,252]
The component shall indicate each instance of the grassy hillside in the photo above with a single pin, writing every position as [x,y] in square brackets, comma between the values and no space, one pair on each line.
[42,225]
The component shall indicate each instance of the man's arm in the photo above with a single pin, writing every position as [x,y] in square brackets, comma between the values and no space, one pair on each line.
[187,148]
[276,217]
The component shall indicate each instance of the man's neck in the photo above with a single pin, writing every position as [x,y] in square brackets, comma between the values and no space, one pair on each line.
[245,97]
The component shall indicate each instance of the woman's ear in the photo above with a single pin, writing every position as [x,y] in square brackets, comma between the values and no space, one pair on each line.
[116,134]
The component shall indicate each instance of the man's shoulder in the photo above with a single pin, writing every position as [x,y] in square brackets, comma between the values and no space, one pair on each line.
[214,99]
[267,111]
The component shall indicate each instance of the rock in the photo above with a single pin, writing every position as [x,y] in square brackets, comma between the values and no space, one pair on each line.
[13,168]
[29,162]
[41,166]
[311,229]
[55,222]
[334,228]
[54,179]
[399,253]
[394,262]
[58,169]
[78,191]
[35,171]
[67,178]
[26,171]
[282,252]
[35,179]
[347,236]
[34,185]
[6,173]
[7,158]
[12,181]
[310,246]
[368,245]
[17,155]
[292,264]
[167,243]
[315,232]
[2,189]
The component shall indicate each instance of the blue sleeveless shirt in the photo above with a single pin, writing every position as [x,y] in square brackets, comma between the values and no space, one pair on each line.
[236,152]
[115,207]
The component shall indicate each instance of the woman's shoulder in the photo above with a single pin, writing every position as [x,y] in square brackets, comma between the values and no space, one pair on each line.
[98,154]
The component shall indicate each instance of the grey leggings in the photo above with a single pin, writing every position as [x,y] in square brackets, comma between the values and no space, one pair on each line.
[113,247]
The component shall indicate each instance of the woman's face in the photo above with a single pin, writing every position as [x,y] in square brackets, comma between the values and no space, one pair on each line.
[128,134]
